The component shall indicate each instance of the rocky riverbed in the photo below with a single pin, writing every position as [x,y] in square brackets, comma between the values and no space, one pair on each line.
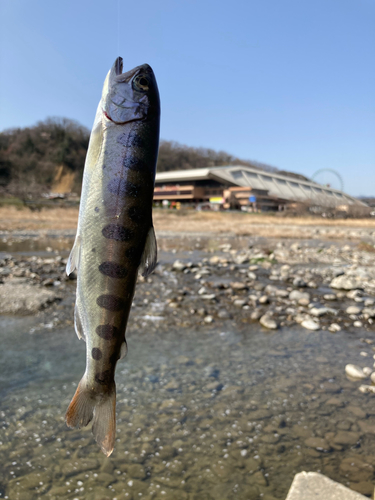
[235,378]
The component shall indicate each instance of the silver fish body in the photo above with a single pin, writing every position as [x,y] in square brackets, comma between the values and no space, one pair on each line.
[115,237]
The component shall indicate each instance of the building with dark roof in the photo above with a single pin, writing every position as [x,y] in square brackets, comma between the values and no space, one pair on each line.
[238,185]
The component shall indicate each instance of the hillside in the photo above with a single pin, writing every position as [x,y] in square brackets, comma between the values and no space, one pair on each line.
[51,154]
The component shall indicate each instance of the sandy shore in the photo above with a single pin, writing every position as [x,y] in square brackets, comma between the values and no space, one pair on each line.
[13,219]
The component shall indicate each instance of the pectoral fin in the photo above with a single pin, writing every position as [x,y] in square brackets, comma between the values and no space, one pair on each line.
[150,254]
[73,261]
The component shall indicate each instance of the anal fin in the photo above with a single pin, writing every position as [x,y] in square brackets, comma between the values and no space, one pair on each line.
[123,350]
[78,322]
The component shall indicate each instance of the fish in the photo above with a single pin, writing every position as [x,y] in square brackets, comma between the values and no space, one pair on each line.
[115,238]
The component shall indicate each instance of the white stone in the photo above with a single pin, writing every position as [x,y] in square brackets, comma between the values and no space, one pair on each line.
[334,327]
[268,322]
[178,265]
[297,295]
[310,324]
[367,371]
[367,389]
[330,296]
[299,282]
[373,377]
[314,486]
[344,283]
[319,311]
[354,371]
[353,310]
[208,296]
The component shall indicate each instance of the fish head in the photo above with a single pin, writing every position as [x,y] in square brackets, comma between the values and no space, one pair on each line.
[130,96]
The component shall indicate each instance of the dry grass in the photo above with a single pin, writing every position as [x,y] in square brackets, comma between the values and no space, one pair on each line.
[229,220]
[12,218]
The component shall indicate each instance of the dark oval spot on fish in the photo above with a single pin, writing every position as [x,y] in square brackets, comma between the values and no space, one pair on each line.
[110,302]
[113,270]
[136,214]
[104,378]
[134,163]
[93,249]
[107,332]
[118,233]
[96,353]
[96,209]
[122,187]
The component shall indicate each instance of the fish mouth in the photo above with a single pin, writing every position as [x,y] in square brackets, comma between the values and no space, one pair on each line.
[128,75]
[118,66]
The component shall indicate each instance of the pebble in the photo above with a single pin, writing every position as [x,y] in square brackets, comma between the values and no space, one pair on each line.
[264,299]
[353,310]
[208,296]
[178,266]
[330,296]
[354,371]
[299,282]
[318,443]
[296,295]
[208,319]
[239,302]
[310,324]
[319,311]
[223,314]
[344,283]
[367,389]
[237,285]
[346,438]
[334,327]
[268,322]
[256,314]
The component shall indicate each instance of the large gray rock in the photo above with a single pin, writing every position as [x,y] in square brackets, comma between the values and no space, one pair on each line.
[344,282]
[22,298]
[314,486]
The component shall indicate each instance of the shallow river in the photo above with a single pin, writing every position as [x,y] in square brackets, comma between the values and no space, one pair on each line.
[214,415]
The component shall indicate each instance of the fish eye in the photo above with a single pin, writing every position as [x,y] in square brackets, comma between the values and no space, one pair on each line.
[141,83]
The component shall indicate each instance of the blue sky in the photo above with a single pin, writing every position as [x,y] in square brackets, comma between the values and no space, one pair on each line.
[286,82]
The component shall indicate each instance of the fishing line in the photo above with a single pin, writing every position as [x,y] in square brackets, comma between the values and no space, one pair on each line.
[118,28]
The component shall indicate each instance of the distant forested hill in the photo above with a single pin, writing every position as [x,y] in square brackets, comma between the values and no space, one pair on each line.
[36,159]
[30,157]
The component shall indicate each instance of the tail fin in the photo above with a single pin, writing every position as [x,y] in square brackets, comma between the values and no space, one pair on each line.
[87,405]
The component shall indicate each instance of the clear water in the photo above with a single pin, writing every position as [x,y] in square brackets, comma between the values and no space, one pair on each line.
[209,414]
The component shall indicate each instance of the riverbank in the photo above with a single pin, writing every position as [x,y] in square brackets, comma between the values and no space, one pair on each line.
[189,221]
[235,379]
